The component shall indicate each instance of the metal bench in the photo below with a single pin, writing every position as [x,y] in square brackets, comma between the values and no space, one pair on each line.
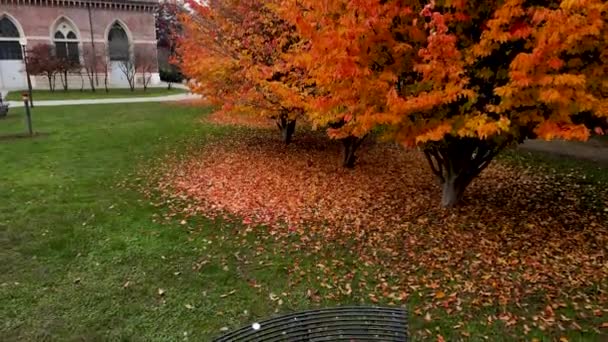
[335,324]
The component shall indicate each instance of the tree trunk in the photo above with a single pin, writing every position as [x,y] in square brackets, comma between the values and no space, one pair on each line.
[64,81]
[351,144]
[50,78]
[287,127]
[92,82]
[457,161]
[453,190]
[168,85]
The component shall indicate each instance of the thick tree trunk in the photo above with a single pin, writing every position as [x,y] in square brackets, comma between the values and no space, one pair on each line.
[351,144]
[457,161]
[453,190]
[287,127]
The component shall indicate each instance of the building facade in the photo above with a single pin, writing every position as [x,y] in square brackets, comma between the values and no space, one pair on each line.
[109,32]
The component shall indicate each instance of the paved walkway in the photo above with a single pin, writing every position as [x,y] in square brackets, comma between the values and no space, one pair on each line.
[165,98]
[596,149]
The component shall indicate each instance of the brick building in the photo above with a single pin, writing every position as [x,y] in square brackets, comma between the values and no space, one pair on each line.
[117,30]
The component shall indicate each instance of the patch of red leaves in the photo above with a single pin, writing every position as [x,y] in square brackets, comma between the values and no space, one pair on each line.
[189,103]
[234,119]
[519,234]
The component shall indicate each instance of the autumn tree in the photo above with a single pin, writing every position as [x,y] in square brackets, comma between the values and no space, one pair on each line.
[234,53]
[42,61]
[460,79]
[351,54]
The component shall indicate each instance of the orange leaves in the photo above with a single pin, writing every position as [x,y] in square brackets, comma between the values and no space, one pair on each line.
[480,126]
[551,95]
[550,130]
[422,70]
[434,134]
[234,51]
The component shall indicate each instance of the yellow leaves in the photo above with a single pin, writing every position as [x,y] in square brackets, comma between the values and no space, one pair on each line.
[570,80]
[434,134]
[569,5]
[505,91]
[550,96]
[482,126]
[401,48]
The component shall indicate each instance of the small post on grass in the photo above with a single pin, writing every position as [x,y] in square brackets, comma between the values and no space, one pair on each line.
[23,42]
[26,102]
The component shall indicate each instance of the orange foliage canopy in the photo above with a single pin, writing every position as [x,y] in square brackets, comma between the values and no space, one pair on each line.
[233,50]
[460,78]
[489,70]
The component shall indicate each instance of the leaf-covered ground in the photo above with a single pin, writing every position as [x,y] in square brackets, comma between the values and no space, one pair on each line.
[223,118]
[530,246]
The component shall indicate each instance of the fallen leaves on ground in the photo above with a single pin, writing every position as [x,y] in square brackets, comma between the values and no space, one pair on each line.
[520,233]
[244,120]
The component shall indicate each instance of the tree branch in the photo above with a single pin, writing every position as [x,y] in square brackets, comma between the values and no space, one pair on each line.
[437,170]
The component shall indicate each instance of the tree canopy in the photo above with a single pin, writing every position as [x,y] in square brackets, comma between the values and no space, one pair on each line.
[235,52]
[459,79]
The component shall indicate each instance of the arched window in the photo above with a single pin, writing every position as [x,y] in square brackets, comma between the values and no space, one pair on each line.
[66,42]
[118,43]
[9,40]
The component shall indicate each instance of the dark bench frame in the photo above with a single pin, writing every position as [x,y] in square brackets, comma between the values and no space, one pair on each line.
[351,323]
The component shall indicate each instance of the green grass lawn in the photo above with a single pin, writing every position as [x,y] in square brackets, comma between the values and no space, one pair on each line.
[76,94]
[85,259]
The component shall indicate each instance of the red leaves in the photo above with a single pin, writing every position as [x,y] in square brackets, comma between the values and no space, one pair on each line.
[555,63]
[520,29]
[234,119]
[519,235]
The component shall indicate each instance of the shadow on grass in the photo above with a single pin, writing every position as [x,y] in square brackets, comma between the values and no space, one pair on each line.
[17,136]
